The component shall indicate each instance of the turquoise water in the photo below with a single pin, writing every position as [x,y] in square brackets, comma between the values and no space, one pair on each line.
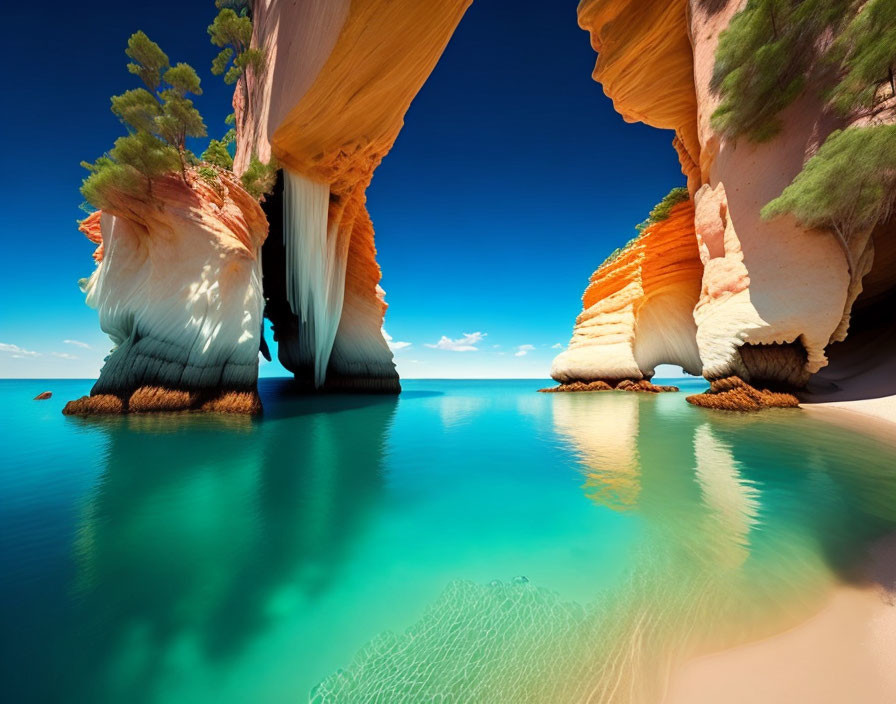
[468,541]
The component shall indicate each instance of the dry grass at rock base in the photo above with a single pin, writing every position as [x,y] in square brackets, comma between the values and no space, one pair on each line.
[155,399]
[642,386]
[734,394]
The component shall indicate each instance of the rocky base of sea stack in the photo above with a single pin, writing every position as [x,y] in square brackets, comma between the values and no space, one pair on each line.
[734,394]
[641,385]
[156,399]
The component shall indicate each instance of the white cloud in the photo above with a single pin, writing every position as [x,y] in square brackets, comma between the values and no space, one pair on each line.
[17,352]
[63,355]
[558,346]
[467,343]
[495,346]
[77,343]
[523,350]
[394,345]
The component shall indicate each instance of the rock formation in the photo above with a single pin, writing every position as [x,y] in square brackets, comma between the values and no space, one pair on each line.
[339,78]
[774,295]
[715,287]
[637,310]
[178,289]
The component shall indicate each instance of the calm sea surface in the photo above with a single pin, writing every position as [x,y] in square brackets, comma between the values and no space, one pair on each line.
[468,541]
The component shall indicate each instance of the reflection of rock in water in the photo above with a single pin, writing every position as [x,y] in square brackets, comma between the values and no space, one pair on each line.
[194,543]
[728,554]
[605,437]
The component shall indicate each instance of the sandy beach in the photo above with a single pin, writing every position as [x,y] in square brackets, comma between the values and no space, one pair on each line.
[845,653]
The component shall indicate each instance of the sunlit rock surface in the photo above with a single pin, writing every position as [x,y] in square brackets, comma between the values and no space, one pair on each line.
[178,290]
[645,66]
[774,295]
[638,309]
[339,78]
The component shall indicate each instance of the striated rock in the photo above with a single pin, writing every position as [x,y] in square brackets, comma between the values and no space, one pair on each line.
[638,308]
[645,65]
[178,290]
[734,394]
[769,283]
[43,396]
[774,295]
[339,78]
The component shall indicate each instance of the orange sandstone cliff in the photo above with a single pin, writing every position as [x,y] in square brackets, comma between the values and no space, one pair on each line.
[637,310]
[339,78]
[773,296]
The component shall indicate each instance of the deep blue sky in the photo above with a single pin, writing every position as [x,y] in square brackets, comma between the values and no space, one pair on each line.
[510,182]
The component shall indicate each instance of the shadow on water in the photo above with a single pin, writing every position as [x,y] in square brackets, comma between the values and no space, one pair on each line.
[196,536]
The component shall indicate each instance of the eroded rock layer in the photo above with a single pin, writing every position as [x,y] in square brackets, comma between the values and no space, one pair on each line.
[638,309]
[645,66]
[178,290]
[339,78]
[774,294]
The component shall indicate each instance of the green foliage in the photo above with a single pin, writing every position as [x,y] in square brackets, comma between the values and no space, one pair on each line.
[259,178]
[241,7]
[619,251]
[158,120]
[148,59]
[166,112]
[662,209]
[145,153]
[230,119]
[221,62]
[658,213]
[217,154]
[138,109]
[765,55]
[848,186]
[134,156]
[183,79]
[762,60]
[232,32]
[209,174]
[866,51]
[179,120]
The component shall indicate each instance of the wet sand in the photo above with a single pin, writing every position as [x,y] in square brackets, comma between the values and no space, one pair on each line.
[844,653]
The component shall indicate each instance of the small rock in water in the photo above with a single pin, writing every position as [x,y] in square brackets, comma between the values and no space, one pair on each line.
[43,396]
[520,580]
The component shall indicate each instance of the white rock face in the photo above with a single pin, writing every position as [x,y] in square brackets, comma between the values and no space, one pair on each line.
[179,292]
[315,271]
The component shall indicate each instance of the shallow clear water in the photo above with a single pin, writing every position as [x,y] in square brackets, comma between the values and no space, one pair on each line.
[472,540]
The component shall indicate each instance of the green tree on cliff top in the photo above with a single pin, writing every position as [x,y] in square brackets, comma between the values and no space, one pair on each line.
[159,118]
[231,31]
[661,210]
[658,213]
